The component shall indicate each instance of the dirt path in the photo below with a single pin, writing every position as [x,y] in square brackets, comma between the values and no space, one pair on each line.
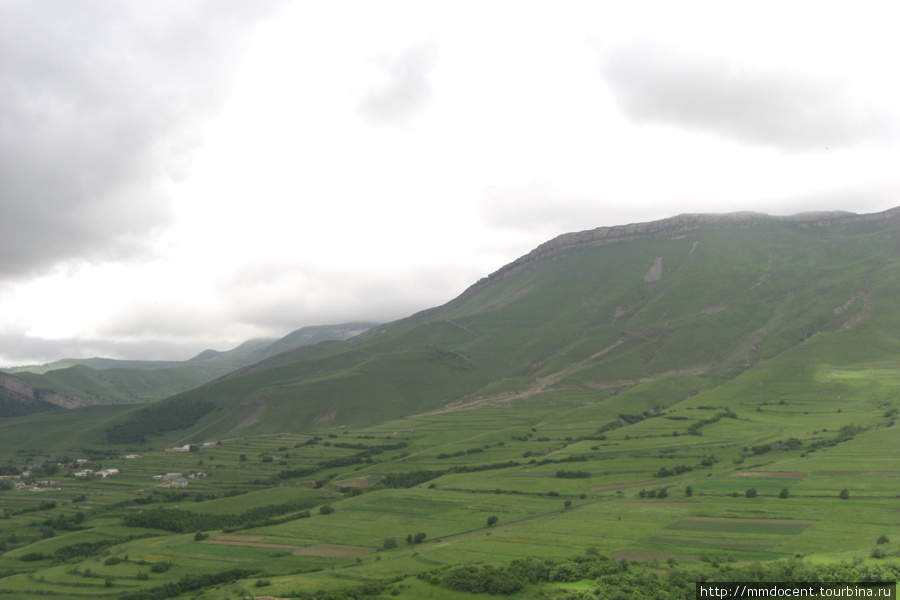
[539,386]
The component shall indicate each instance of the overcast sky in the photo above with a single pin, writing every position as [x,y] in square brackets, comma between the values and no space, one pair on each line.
[178,175]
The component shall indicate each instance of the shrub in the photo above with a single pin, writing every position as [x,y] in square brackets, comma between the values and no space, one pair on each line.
[883,539]
[845,494]
[784,493]
[751,493]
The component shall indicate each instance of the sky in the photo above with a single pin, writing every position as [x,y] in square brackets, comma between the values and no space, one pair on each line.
[179,175]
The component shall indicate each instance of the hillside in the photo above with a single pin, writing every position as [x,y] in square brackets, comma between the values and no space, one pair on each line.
[620,413]
[594,313]
[111,381]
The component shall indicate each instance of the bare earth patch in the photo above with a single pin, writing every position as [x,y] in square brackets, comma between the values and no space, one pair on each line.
[256,415]
[332,551]
[775,474]
[623,485]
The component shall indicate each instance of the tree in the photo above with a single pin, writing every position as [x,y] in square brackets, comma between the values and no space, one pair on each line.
[845,494]
[243,458]
[751,493]
[883,539]
[784,493]
[688,491]
[389,543]
[326,510]
[420,537]
[492,520]
[567,504]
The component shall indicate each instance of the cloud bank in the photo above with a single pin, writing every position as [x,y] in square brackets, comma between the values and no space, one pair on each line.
[789,111]
[100,104]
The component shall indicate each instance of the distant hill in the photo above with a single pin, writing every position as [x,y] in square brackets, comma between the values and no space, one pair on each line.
[111,381]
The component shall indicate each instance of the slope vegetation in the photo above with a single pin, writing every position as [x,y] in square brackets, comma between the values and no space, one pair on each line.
[595,313]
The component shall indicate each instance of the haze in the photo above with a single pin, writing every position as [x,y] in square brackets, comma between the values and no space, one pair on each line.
[177,175]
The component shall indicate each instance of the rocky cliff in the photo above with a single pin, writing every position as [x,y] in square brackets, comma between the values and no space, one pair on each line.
[19,391]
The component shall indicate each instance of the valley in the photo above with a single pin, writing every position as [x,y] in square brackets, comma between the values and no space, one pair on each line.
[638,408]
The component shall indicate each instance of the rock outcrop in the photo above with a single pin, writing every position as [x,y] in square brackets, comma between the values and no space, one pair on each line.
[20,390]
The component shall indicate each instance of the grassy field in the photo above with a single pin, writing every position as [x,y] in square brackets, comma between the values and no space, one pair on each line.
[551,494]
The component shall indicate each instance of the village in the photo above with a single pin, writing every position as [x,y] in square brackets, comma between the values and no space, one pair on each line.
[26,477]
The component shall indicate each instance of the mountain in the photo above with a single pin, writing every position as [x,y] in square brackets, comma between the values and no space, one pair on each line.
[593,314]
[111,381]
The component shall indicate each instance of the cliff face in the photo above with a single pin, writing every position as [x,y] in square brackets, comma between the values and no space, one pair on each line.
[20,390]
[680,224]
[16,388]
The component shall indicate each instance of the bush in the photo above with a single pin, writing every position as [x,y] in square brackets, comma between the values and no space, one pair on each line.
[845,494]
[33,556]
[784,493]
[883,539]
[751,493]
[390,543]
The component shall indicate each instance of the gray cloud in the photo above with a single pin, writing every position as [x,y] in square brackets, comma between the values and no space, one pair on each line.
[406,91]
[99,103]
[780,109]
[17,348]
[278,297]
[537,210]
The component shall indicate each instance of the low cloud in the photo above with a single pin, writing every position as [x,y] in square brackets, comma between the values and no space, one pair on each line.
[785,110]
[281,297]
[406,90]
[100,104]
[17,348]
[537,210]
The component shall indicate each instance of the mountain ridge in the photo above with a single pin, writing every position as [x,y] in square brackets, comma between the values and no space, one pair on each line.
[673,225]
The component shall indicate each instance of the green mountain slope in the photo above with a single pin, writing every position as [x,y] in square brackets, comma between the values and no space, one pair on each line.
[593,313]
